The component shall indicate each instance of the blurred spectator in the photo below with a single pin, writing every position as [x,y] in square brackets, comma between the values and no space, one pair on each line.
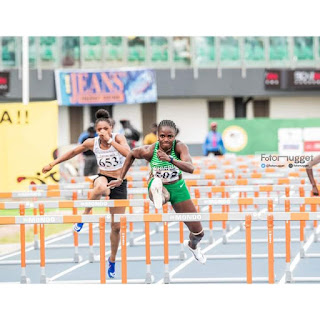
[151,137]
[132,135]
[85,134]
[90,161]
[213,143]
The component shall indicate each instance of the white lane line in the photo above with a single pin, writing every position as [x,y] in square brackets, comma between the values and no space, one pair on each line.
[187,262]
[297,258]
[59,275]
[50,240]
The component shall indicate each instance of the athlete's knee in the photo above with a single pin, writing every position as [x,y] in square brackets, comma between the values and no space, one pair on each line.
[195,237]
[101,189]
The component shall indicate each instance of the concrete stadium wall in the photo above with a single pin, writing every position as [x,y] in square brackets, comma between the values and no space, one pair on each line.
[297,107]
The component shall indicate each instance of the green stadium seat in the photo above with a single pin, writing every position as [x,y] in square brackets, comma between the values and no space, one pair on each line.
[8,51]
[47,41]
[229,48]
[32,51]
[205,51]
[115,41]
[303,48]
[91,41]
[254,49]
[278,47]
[47,53]
[159,49]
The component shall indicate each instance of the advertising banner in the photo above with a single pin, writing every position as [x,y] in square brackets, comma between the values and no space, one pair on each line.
[29,138]
[243,136]
[81,87]
[4,82]
[304,79]
[272,79]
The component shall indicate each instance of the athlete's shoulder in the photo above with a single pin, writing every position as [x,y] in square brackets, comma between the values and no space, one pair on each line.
[180,144]
[89,141]
[118,136]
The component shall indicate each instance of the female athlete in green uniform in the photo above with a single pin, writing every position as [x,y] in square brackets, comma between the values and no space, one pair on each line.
[168,158]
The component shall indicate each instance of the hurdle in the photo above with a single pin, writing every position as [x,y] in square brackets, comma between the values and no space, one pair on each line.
[167,217]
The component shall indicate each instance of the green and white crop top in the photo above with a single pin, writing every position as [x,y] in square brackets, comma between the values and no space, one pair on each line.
[165,170]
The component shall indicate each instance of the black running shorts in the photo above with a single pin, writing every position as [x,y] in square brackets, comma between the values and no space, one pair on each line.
[118,192]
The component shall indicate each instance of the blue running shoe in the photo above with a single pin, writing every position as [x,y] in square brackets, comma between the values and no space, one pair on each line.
[77,227]
[111,269]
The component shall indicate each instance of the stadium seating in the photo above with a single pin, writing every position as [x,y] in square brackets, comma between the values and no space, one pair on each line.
[202,51]
[70,50]
[279,49]
[229,49]
[254,49]
[9,51]
[159,49]
[92,48]
[205,50]
[114,48]
[303,48]
[136,49]
[47,48]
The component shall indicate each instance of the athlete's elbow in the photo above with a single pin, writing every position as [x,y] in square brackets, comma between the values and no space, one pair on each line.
[126,153]
[191,169]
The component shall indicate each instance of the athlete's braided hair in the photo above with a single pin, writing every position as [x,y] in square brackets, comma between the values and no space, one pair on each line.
[167,123]
[103,115]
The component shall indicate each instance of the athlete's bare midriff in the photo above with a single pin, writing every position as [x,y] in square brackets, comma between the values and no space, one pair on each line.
[112,174]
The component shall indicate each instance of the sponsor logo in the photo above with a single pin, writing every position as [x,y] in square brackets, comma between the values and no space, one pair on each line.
[94,204]
[39,220]
[185,217]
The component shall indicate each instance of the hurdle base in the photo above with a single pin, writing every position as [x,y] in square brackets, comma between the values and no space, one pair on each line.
[302,253]
[43,279]
[166,278]
[289,277]
[182,255]
[77,258]
[91,255]
[224,239]
[149,278]
[36,245]
[316,237]
[24,280]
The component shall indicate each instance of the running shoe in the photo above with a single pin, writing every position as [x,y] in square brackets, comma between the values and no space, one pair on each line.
[156,190]
[111,269]
[77,227]
[197,253]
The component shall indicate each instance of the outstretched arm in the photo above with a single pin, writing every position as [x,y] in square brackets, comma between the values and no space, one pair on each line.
[68,155]
[144,152]
[309,170]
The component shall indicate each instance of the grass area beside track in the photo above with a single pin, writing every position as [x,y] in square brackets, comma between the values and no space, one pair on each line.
[11,234]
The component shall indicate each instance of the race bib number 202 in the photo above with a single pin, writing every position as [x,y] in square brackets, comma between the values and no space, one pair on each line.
[166,174]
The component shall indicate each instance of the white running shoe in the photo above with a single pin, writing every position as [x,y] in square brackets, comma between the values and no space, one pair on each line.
[156,190]
[197,253]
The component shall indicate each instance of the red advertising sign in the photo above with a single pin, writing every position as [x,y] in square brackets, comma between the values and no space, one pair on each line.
[272,79]
[311,146]
[4,82]
[304,79]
